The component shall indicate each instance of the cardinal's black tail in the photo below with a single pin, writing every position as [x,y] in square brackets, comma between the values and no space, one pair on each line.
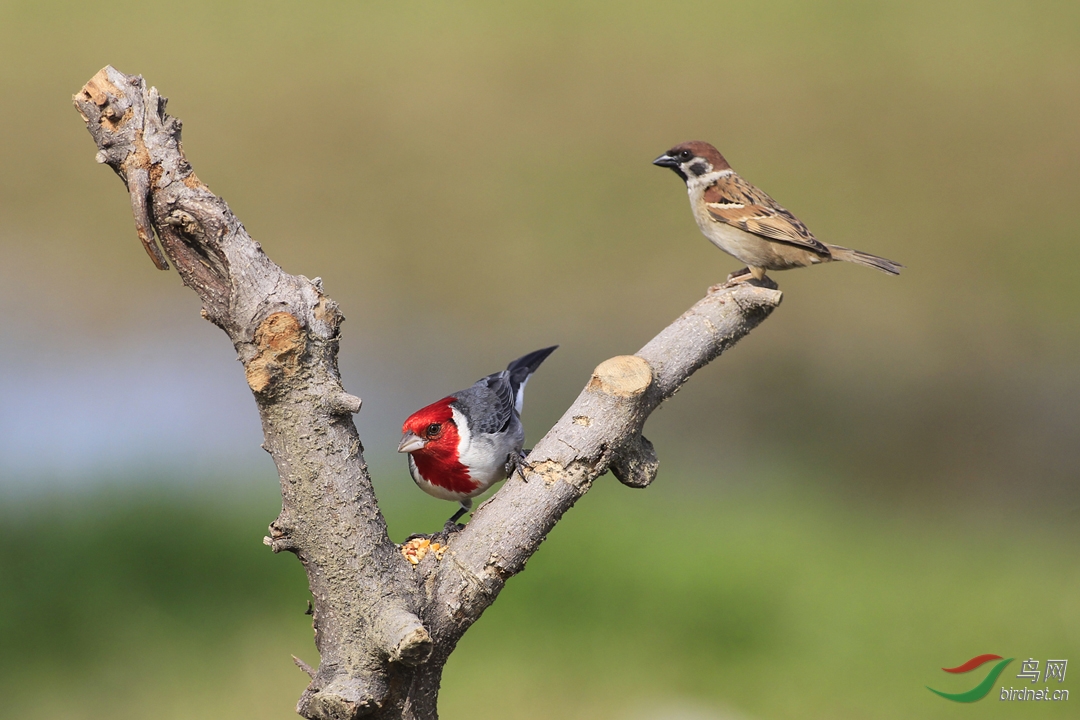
[521,369]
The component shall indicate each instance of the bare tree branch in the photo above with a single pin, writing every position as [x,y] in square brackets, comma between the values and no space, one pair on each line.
[384,627]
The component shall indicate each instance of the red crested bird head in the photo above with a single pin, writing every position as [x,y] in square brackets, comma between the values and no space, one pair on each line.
[431,437]
[430,430]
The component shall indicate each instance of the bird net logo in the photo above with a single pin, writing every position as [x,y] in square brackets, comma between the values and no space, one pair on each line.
[1051,671]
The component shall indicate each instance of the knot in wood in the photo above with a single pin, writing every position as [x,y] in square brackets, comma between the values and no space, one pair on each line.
[281,341]
[185,222]
[415,648]
[622,376]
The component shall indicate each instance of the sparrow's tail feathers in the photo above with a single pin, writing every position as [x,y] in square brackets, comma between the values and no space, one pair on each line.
[521,369]
[861,258]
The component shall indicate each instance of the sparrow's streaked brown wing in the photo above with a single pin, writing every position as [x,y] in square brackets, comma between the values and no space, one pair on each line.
[736,202]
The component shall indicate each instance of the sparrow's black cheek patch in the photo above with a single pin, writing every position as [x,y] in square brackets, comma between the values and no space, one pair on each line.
[698,169]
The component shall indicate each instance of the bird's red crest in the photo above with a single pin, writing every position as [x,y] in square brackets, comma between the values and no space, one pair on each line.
[436,412]
[438,461]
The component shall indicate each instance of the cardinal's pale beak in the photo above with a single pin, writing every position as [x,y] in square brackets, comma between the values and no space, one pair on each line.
[411,442]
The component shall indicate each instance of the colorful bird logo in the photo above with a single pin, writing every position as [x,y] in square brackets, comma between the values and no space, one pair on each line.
[982,689]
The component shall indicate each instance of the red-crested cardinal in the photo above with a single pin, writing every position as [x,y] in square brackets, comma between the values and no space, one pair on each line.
[463,444]
[748,224]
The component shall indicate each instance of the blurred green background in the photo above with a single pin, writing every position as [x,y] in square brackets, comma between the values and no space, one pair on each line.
[880,481]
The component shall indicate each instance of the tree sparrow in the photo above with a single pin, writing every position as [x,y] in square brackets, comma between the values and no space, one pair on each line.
[748,224]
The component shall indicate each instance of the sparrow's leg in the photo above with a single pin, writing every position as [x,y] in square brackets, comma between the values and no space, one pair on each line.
[753,275]
[739,276]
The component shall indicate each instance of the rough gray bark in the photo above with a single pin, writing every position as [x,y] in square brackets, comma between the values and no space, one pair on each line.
[384,627]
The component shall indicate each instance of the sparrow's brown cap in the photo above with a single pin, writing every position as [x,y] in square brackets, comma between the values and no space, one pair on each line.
[701,149]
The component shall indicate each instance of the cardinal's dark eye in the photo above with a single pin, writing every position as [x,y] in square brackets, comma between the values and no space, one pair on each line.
[433,430]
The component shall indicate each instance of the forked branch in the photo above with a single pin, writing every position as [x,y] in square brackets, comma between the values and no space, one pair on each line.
[383,626]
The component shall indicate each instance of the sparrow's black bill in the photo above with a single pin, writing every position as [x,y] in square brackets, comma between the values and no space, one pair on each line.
[666,161]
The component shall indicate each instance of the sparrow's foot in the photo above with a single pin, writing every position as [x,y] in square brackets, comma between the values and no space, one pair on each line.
[747,276]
